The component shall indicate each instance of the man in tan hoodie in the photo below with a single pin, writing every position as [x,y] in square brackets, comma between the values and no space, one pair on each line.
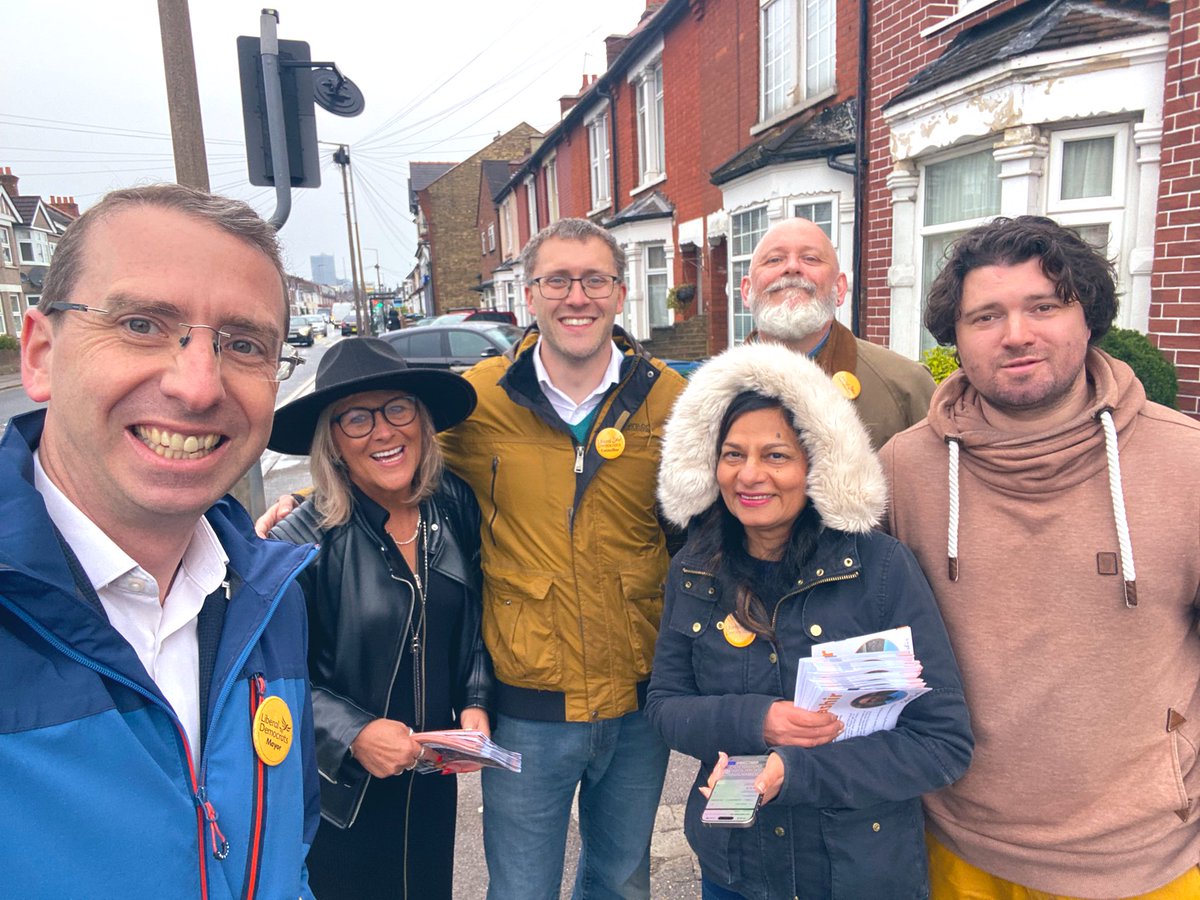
[1040,476]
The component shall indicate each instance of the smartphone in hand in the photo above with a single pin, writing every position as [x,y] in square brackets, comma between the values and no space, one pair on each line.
[734,800]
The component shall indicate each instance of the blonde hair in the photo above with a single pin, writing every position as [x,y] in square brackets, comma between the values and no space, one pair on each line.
[331,478]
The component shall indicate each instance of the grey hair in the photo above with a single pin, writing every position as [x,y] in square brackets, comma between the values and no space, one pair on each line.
[331,479]
[231,216]
[572,230]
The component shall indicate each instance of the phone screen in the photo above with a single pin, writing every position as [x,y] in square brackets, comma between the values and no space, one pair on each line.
[734,801]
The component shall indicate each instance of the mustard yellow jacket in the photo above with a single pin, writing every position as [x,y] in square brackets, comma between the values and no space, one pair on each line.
[573,552]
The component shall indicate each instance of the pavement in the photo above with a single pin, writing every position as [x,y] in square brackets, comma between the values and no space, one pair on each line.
[674,873]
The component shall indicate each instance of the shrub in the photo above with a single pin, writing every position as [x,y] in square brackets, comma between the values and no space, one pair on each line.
[8,342]
[941,362]
[680,296]
[1154,371]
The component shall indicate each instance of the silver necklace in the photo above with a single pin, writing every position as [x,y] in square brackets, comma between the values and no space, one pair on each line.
[416,531]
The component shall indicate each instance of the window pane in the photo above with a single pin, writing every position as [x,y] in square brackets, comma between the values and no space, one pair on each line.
[747,230]
[778,57]
[656,283]
[423,346]
[467,343]
[659,124]
[818,45]
[1096,235]
[1087,168]
[967,187]
[933,258]
[820,214]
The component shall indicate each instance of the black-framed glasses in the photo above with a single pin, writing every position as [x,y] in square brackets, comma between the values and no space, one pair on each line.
[150,329]
[558,287]
[359,421]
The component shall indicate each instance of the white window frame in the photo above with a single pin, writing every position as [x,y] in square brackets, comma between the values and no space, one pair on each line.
[483,250]
[14,307]
[923,232]
[599,154]
[491,237]
[508,228]
[6,248]
[797,58]
[664,315]
[796,204]
[551,175]
[531,204]
[647,84]
[737,309]
[1116,197]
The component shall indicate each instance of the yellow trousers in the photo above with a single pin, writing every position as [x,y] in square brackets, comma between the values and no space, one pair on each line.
[953,878]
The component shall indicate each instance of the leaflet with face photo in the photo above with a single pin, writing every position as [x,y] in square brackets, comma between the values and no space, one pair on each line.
[865,681]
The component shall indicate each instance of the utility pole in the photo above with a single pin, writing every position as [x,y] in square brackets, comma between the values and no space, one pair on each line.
[341,158]
[362,271]
[183,95]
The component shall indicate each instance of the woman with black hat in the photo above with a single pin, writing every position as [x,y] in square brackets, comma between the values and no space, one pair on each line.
[394,613]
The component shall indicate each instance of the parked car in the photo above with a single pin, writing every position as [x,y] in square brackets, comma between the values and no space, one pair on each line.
[319,323]
[300,331]
[476,315]
[456,346]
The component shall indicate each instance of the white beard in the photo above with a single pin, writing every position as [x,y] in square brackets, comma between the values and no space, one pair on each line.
[781,314]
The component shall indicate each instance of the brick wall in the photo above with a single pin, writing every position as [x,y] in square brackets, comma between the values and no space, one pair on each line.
[1175,281]
[897,51]
[452,203]
[684,340]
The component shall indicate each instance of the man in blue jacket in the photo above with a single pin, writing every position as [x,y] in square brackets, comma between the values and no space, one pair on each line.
[155,726]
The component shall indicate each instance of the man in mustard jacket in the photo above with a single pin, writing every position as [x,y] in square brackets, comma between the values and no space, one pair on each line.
[562,452]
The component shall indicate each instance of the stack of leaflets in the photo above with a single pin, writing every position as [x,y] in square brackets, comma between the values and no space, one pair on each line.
[865,681]
[442,749]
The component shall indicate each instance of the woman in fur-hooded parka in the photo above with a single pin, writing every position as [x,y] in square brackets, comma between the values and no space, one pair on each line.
[847,821]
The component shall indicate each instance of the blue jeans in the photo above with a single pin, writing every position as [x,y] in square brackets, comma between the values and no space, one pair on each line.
[618,765]
[710,890]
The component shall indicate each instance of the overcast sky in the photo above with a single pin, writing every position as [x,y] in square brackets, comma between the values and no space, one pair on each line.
[85,107]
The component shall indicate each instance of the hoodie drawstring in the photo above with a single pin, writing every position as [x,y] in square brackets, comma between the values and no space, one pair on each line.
[1118,505]
[1114,489]
[953,444]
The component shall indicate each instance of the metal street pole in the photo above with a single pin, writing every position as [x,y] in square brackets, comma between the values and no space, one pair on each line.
[341,158]
[358,247]
[183,96]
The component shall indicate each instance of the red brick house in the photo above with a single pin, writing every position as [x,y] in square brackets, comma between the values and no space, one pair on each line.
[1083,110]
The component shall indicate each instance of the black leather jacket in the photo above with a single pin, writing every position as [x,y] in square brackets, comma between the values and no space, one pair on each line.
[358,615]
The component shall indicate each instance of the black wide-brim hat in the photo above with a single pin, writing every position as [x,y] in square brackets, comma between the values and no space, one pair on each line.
[355,365]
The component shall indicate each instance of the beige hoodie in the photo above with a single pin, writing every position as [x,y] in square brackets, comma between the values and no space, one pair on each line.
[1085,780]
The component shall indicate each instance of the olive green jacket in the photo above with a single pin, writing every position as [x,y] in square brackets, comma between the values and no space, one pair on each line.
[574,555]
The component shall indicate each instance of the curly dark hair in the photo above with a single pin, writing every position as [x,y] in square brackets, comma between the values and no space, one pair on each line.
[1080,273]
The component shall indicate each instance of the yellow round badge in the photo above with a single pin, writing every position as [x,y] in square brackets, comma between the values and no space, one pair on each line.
[847,384]
[272,730]
[610,443]
[735,633]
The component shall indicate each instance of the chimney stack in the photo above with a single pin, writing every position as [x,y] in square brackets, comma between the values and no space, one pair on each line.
[66,205]
[8,181]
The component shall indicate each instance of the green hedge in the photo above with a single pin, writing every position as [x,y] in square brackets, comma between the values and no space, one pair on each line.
[1154,370]
[8,342]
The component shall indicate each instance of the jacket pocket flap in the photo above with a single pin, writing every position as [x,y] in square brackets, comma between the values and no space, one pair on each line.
[530,585]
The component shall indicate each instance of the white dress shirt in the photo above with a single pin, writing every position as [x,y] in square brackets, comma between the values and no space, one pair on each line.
[568,410]
[163,635]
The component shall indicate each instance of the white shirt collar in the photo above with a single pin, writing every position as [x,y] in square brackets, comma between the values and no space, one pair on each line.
[568,410]
[104,562]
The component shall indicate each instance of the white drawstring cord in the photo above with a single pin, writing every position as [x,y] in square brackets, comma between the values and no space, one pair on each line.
[1118,505]
[952,528]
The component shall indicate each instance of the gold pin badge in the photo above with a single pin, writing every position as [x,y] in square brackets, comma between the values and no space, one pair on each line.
[735,633]
[610,443]
[847,384]
[272,730]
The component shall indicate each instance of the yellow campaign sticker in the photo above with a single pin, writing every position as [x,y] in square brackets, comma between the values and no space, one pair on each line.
[735,633]
[272,730]
[847,384]
[610,443]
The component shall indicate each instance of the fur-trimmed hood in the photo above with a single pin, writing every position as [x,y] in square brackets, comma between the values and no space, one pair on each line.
[845,479]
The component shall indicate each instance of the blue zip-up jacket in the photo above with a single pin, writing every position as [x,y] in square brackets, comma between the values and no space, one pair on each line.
[99,794]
